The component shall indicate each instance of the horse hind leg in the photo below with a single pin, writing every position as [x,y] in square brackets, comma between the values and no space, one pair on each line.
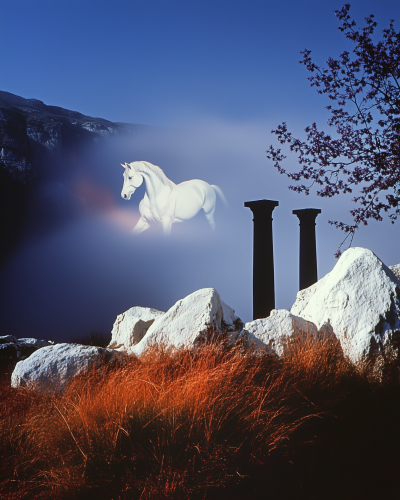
[209,206]
[210,217]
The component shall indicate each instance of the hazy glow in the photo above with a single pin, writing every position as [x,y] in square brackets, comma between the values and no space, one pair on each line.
[97,197]
[101,199]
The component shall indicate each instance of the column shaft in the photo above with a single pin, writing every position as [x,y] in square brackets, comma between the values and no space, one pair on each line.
[308,248]
[263,258]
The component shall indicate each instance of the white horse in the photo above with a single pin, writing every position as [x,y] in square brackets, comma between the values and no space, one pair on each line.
[165,201]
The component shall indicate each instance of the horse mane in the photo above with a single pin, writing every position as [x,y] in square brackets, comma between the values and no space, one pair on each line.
[147,166]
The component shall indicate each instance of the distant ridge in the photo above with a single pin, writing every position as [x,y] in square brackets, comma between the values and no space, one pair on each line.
[36,108]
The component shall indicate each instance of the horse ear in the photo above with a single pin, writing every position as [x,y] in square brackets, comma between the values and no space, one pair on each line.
[122,165]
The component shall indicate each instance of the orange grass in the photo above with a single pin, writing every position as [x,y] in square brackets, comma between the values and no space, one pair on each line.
[217,423]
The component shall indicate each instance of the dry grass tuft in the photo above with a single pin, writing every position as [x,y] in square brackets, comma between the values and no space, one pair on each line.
[217,423]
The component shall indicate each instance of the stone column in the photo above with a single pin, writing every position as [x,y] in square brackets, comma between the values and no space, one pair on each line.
[308,249]
[263,257]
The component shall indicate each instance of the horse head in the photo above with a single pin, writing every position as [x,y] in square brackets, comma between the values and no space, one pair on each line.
[132,180]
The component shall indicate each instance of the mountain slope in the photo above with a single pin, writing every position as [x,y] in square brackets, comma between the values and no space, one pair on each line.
[38,144]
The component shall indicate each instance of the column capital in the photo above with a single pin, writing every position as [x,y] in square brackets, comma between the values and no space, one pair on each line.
[306,214]
[261,207]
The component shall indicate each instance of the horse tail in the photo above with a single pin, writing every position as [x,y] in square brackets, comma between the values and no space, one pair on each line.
[220,193]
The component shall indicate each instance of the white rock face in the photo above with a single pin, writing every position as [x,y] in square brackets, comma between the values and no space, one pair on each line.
[228,314]
[395,270]
[360,298]
[52,367]
[130,327]
[180,326]
[274,334]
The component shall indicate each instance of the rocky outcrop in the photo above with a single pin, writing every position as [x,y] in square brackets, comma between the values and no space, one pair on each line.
[360,299]
[36,343]
[51,368]
[13,350]
[131,326]
[9,350]
[275,334]
[183,323]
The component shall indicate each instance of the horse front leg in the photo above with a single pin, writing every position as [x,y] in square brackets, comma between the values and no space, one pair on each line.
[166,224]
[141,226]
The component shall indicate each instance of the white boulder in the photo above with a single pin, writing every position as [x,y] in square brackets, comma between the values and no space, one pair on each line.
[360,298]
[275,333]
[181,325]
[51,368]
[130,327]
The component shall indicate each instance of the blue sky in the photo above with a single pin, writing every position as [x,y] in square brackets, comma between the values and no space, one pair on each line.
[216,77]
[152,61]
